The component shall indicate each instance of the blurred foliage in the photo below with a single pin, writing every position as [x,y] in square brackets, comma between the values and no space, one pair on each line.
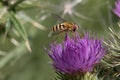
[27,22]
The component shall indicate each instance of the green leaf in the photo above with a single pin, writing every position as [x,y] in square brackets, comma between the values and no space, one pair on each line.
[20,29]
[18,26]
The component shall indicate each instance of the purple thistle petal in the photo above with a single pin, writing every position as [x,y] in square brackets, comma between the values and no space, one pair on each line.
[76,54]
[116,10]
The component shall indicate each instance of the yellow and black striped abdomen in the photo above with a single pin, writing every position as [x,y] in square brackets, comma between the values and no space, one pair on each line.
[63,27]
[58,27]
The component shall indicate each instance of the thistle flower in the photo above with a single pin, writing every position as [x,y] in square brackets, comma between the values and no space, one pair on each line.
[116,10]
[76,55]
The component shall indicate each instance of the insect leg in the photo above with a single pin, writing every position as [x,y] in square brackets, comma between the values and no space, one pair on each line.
[50,34]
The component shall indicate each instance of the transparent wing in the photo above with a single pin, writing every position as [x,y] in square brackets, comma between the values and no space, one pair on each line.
[57,17]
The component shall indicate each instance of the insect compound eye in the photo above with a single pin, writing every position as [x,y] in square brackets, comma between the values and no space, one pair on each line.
[74,29]
[76,26]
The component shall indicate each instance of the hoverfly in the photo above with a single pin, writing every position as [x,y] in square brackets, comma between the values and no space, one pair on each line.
[64,27]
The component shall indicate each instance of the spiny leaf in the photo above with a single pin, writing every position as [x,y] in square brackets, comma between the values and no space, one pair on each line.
[17,26]
[112,59]
[20,29]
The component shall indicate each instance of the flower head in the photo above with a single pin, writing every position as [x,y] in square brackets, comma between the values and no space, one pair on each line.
[116,10]
[77,54]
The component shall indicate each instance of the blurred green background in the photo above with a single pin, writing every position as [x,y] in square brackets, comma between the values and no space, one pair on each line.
[17,63]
